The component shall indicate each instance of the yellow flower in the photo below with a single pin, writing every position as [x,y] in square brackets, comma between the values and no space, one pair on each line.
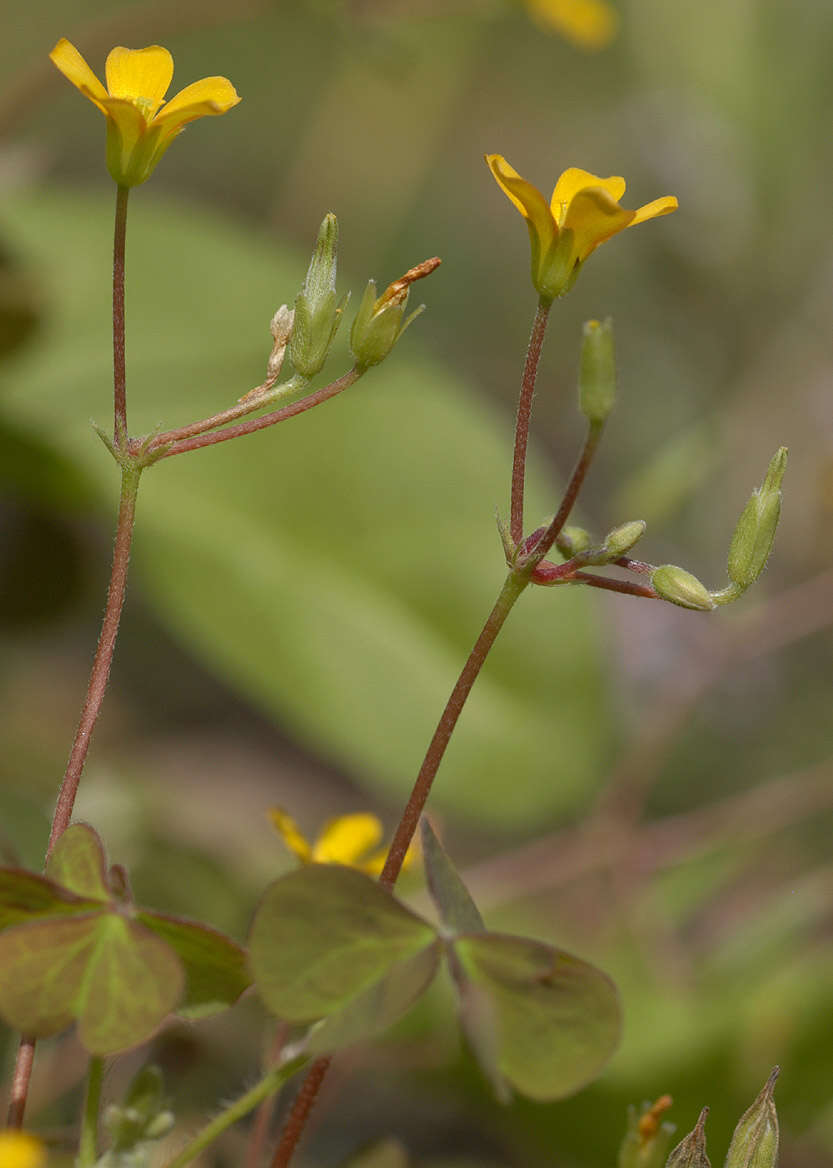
[20,1150]
[347,840]
[584,211]
[140,124]
[588,24]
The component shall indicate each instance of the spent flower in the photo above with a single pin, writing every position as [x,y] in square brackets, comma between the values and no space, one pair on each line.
[381,321]
[583,212]
[140,124]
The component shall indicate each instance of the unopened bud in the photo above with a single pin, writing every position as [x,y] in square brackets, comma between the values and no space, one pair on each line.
[691,1152]
[379,322]
[597,373]
[647,1139]
[572,541]
[755,532]
[621,539]
[755,1142]
[317,314]
[680,587]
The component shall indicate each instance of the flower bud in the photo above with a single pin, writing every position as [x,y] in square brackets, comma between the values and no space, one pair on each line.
[379,322]
[597,372]
[755,532]
[621,539]
[317,314]
[755,1141]
[691,1152]
[680,587]
[572,541]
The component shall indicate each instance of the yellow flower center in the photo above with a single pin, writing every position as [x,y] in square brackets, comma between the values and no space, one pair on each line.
[144,105]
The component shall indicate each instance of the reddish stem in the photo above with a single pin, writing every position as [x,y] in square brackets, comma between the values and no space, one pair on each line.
[119,375]
[611,584]
[100,673]
[301,1108]
[513,586]
[533,357]
[545,543]
[20,1082]
[240,410]
[290,411]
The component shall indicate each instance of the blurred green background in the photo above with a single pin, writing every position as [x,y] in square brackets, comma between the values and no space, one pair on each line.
[650,788]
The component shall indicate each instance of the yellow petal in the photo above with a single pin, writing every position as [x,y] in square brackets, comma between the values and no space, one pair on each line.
[589,24]
[527,198]
[288,829]
[140,75]
[212,95]
[20,1150]
[73,66]
[594,216]
[574,180]
[663,206]
[346,839]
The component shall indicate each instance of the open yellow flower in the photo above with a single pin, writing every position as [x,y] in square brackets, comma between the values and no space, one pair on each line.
[19,1149]
[584,211]
[140,124]
[349,840]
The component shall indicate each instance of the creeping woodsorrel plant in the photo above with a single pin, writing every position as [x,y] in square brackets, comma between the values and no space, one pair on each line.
[332,953]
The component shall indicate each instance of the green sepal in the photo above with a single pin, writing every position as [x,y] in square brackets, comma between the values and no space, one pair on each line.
[690,1152]
[755,533]
[755,1139]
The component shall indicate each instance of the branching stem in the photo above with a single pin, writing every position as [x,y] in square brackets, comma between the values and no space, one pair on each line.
[533,357]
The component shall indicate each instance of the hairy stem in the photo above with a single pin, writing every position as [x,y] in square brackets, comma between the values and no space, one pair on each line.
[290,411]
[512,588]
[88,1145]
[247,406]
[100,672]
[271,1082]
[533,357]
[119,376]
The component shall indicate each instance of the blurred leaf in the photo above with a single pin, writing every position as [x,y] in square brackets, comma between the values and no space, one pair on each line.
[324,935]
[338,573]
[77,862]
[457,910]
[556,1018]
[387,1154]
[215,968]
[24,895]
[110,974]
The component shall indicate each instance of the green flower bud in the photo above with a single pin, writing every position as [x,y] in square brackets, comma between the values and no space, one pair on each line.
[317,314]
[680,587]
[691,1152]
[755,532]
[572,541]
[597,372]
[755,1141]
[621,539]
[647,1140]
[379,322]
